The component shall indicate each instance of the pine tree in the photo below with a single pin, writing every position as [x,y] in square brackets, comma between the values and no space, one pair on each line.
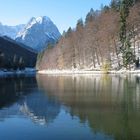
[21,64]
[69,31]
[64,34]
[128,56]
[89,16]
[15,62]
[50,46]
[80,24]
[115,5]
[1,59]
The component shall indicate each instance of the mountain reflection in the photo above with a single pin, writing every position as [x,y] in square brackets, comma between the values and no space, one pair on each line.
[110,104]
[40,109]
[21,96]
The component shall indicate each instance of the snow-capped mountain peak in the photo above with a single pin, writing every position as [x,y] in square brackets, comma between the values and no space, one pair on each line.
[38,33]
[10,31]
[42,19]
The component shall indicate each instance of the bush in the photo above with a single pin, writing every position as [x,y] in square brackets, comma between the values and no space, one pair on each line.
[106,66]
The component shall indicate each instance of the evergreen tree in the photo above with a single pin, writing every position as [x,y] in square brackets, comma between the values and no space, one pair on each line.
[80,24]
[1,59]
[21,64]
[15,62]
[68,33]
[64,34]
[115,5]
[49,46]
[8,65]
[124,37]
[128,56]
[106,8]
[89,16]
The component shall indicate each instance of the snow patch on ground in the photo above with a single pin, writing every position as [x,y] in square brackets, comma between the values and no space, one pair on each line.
[51,72]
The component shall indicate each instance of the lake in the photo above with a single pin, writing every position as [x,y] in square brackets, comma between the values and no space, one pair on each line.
[70,107]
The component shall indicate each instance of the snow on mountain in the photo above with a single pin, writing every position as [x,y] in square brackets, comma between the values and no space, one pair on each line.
[38,33]
[10,31]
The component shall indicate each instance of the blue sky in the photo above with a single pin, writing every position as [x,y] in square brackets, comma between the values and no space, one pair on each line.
[64,13]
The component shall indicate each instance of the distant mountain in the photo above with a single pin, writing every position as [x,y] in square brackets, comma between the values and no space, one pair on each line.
[38,33]
[10,31]
[13,54]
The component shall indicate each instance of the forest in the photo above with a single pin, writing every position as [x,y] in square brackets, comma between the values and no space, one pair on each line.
[108,38]
[14,56]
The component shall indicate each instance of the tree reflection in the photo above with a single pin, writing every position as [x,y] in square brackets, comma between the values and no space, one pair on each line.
[110,104]
[12,89]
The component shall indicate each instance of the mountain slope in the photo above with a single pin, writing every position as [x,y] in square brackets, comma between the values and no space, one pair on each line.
[38,33]
[12,53]
[20,44]
[10,31]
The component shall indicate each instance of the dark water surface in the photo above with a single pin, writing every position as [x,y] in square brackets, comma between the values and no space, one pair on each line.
[70,108]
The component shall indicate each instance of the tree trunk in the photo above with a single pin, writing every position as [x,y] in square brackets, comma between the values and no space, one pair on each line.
[96,52]
[93,57]
[117,54]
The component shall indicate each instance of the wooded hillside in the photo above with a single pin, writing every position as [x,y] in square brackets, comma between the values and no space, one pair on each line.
[15,56]
[109,38]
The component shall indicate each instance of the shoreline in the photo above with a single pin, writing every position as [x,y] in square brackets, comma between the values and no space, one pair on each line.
[92,72]
[27,71]
[68,72]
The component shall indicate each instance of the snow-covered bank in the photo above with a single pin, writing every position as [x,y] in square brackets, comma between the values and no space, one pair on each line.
[27,71]
[88,72]
[69,72]
[125,72]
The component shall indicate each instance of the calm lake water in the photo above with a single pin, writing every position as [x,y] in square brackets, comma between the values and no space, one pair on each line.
[70,108]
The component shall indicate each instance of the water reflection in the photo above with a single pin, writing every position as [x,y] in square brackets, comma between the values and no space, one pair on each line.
[20,96]
[12,89]
[40,108]
[110,104]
